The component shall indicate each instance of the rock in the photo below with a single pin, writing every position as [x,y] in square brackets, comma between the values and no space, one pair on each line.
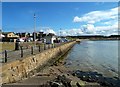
[70,63]
[43,74]
[55,64]
[65,63]
[73,83]
[78,85]
[64,80]
[61,81]
[81,83]
[56,84]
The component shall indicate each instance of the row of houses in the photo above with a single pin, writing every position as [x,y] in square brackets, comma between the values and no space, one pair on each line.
[28,37]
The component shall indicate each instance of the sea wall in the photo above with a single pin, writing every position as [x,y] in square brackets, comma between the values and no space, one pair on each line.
[26,67]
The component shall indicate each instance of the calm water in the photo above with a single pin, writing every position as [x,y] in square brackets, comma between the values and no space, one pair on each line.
[100,56]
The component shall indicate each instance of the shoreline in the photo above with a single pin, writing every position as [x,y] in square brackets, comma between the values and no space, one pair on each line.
[58,74]
[50,74]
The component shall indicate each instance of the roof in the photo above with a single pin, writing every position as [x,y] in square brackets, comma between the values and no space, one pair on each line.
[51,34]
[1,35]
[7,32]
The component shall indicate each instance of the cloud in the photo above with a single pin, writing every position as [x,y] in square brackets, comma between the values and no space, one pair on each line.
[100,30]
[99,22]
[47,30]
[98,16]
[90,29]
[70,32]
[76,19]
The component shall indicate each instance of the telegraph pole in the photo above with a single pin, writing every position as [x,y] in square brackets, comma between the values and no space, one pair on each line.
[34,27]
[60,32]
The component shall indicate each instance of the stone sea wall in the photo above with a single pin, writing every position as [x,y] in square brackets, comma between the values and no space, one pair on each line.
[24,68]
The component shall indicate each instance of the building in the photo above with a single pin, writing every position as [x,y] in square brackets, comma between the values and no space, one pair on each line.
[23,34]
[63,39]
[9,34]
[9,37]
[1,36]
[50,38]
[40,36]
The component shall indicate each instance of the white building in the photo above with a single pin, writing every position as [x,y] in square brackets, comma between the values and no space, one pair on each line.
[50,38]
[1,36]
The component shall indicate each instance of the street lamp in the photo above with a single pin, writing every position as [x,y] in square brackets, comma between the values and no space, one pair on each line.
[60,32]
[34,26]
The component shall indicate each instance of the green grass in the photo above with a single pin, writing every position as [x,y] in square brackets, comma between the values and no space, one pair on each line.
[7,46]
[11,45]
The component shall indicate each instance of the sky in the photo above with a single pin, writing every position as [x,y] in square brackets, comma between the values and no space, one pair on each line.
[61,18]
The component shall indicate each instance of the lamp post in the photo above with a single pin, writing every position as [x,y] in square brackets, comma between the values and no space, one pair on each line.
[34,27]
[60,32]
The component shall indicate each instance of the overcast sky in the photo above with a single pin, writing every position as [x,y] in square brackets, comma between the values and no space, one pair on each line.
[79,18]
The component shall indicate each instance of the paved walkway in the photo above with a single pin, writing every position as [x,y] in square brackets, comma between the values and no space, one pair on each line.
[15,55]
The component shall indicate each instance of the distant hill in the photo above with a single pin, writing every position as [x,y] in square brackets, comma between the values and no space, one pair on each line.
[97,37]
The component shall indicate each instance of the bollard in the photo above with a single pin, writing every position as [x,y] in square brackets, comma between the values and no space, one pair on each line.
[21,51]
[32,50]
[17,45]
[39,48]
[44,46]
[48,46]
[52,45]
[5,56]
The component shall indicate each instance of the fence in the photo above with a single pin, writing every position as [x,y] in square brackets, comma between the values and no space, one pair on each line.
[8,56]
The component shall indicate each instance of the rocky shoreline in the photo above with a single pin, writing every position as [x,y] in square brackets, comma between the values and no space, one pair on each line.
[57,75]
[67,77]
[76,78]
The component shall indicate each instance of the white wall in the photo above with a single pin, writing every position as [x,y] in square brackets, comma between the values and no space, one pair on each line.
[50,39]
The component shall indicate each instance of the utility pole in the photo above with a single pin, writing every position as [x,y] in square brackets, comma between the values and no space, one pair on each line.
[60,32]
[34,27]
